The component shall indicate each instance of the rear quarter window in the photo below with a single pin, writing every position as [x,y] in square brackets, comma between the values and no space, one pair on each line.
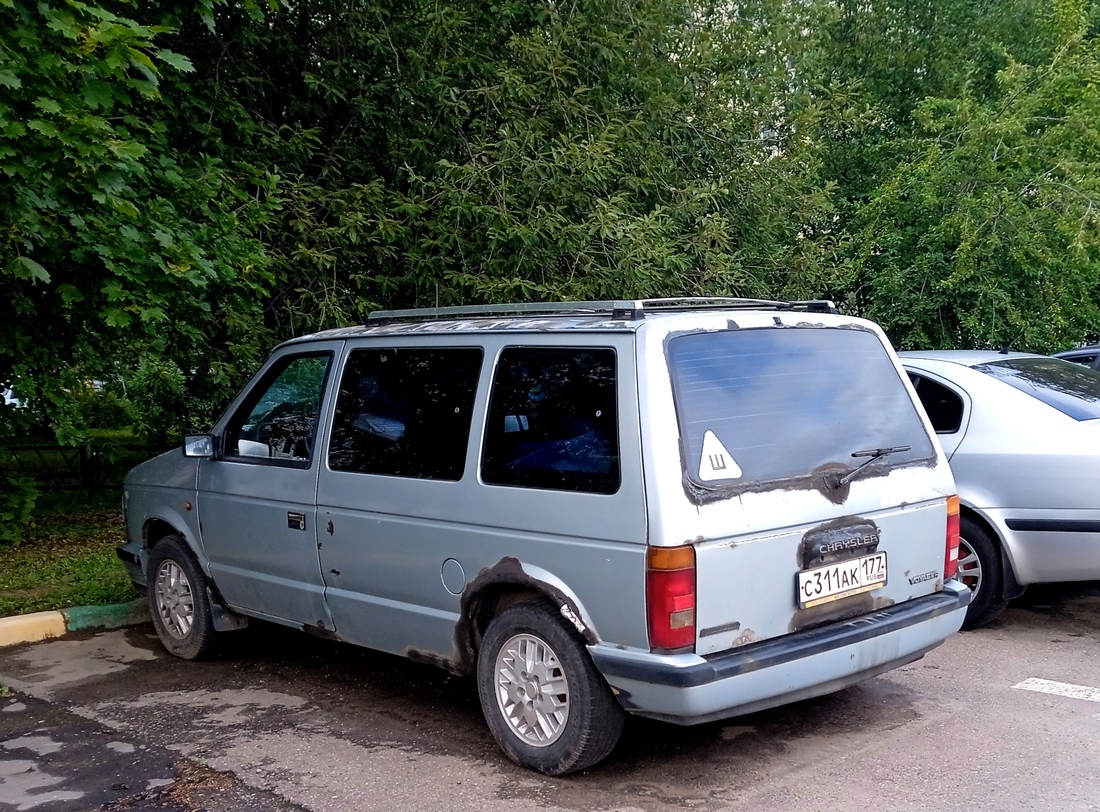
[1082,360]
[552,420]
[777,404]
[944,407]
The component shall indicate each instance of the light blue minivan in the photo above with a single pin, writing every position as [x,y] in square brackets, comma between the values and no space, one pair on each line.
[682,509]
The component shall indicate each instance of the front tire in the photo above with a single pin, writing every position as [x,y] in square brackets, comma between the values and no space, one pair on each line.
[178,602]
[546,705]
[980,569]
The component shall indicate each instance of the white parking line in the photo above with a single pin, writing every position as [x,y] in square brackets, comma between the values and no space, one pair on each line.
[1046,686]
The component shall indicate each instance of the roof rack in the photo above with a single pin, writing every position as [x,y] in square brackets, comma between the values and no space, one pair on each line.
[622,309]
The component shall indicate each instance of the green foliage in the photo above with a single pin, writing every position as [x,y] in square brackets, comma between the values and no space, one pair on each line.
[617,164]
[98,408]
[67,558]
[988,235]
[113,241]
[441,153]
[159,400]
[182,184]
[18,495]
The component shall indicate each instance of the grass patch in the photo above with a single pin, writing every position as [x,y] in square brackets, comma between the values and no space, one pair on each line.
[68,557]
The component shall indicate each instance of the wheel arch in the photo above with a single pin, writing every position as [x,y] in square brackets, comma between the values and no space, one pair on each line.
[1010,587]
[508,582]
[153,530]
[155,527]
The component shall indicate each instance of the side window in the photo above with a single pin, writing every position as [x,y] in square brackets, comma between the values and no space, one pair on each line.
[279,419]
[944,407]
[552,420]
[405,412]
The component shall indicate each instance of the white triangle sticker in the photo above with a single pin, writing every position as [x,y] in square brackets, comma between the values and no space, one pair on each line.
[716,462]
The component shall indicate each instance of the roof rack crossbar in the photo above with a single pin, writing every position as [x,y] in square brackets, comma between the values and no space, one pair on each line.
[621,309]
[814,305]
[518,309]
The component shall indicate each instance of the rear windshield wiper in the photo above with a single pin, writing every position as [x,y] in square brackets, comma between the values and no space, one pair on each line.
[874,454]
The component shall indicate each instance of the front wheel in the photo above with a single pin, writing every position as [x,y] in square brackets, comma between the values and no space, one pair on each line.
[544,701]
[178,602]
[980,569]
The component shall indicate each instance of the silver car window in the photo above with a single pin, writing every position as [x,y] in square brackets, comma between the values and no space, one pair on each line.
[944,407]
[278,421]
[1071,389]
[405,412]
[552,420]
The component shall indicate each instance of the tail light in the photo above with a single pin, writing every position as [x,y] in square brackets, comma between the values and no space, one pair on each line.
[951,557]
[670,597]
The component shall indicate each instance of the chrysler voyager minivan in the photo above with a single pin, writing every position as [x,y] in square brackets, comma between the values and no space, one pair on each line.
[682,509]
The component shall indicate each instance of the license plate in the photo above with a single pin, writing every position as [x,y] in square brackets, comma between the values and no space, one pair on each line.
[835,581]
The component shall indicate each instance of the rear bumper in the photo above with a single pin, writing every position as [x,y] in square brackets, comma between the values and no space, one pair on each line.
[689,689]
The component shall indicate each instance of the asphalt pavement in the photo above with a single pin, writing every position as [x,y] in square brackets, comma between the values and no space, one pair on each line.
[1004,718]
[52,758]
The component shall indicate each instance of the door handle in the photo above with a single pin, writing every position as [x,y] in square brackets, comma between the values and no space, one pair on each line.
[295,521]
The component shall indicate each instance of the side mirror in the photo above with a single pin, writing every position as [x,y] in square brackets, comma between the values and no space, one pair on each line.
[198,445]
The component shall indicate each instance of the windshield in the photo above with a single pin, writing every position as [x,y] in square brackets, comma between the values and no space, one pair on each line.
[1071,389]
[777,403]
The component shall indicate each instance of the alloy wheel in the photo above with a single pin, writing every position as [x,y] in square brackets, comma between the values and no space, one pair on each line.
[175,601]
[532,690]
[970,566]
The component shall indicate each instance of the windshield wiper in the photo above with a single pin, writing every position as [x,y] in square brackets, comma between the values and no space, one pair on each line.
[874,454]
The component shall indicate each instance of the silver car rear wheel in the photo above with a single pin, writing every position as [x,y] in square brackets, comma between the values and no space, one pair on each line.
[532,690]
[544,701]
[980,569]
[970,566]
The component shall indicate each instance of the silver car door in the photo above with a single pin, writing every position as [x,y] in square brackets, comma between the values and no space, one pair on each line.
[257,496]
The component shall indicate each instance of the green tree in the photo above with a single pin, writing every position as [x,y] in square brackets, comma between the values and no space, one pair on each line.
[183,183]
[988,233]
[444,152]
[114,243]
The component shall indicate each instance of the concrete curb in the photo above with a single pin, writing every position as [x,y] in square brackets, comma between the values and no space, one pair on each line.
[45,625]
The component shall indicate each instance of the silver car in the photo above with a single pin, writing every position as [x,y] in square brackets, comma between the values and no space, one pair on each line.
[683,510]
[1022,433]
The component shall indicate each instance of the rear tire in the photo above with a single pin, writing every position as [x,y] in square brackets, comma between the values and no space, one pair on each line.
[546,705]
[980,569]
[178,602]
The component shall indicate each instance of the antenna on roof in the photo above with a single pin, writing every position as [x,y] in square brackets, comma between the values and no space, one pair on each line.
[1007,348]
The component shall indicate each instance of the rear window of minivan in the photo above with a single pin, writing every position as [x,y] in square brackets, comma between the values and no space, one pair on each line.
[773,404]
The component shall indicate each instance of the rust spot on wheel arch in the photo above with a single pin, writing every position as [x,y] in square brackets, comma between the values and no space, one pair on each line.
[482,598]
